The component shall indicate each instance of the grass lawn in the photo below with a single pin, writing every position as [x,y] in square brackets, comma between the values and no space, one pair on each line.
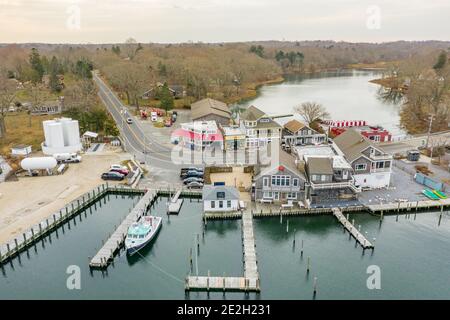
[19,131]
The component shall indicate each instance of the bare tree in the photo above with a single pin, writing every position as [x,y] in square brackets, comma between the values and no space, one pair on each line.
[7,96]
[311,112]
[132,48]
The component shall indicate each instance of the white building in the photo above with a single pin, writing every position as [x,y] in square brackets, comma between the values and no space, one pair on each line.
[220,198]
[21,150]
[199,135]
[372,165]
[62,135]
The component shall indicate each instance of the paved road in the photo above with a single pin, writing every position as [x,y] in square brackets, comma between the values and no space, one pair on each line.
[436,139]
[143,147]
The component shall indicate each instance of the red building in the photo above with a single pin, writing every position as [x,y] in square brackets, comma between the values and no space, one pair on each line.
[374,133]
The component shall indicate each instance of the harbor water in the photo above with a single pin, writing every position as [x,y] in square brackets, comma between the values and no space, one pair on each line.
[411,253]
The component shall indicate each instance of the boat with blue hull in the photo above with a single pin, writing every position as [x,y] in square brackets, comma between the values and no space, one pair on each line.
[142,233]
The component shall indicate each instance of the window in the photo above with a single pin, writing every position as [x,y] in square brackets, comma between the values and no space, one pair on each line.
[387,164]
[323,178]
[228,203]
[265,181]
[360,167]
[220,204]
[295,182]
[314,177]
[380,165]
[267,195]
[291,195]
[220,195]
[213,204]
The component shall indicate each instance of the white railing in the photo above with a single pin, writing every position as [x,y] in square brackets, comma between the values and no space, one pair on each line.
[335,185]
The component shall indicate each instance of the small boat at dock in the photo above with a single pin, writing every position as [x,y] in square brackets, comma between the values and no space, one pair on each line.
[141,233]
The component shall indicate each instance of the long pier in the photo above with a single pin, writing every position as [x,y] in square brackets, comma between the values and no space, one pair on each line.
[352,230]
[117,238]
[250,280]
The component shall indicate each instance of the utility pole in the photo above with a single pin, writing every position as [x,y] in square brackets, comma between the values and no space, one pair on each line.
[431,117]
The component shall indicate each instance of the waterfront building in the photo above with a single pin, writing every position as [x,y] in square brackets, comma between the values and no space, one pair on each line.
[280,182]
[296,133]
[260,128]
[374,133]
[211,110]
[199,135]
[371,165]
[329,175]
[220,198]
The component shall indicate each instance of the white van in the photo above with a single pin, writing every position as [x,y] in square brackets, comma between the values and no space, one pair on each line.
[67,157]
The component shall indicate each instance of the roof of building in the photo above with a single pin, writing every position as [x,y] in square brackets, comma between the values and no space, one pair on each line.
[294,126]
[352,143]
[209,106]
[210,192]
[21,146]
[233,131]
[252,114]
[320,165]
[270,123]
[284,160]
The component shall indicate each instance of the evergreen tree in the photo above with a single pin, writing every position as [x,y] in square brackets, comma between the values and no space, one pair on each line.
[166,98]
[442,60]
[36,66]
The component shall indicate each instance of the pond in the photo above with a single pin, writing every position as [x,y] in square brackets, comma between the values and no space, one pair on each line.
[346,94]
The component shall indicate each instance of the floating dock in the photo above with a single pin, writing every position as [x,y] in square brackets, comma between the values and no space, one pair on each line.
[250,280]
[115,241]
[175,203]
[352,229]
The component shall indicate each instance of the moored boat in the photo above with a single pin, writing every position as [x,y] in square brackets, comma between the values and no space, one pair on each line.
[141,233]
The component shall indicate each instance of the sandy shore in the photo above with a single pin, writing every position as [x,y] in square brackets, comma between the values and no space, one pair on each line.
[32,199]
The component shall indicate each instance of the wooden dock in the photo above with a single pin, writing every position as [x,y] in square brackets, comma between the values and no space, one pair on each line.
[409,206]
[115,241]
[204,283]
[249,248]
[250,280]
[29,237]
[352,229]
[175,203]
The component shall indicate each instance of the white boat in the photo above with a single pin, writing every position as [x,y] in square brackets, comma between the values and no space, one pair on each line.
[141,233]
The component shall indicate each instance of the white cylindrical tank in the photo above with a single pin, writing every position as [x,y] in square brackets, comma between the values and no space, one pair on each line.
[38,163]
[47,135]
[56,133]
[73,132]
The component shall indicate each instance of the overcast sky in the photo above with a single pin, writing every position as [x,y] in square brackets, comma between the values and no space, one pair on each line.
[110,21]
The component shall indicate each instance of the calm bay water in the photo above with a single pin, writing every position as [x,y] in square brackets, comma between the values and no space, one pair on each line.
[346,94]
[412,253]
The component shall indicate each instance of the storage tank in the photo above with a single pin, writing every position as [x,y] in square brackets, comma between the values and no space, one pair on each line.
[72,132]
[56,133]
[38,163]
[47,135]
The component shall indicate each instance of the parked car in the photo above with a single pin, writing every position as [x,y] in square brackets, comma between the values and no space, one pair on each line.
[191,169]
[112,176]
[192,179]
[117,166]
[129,120]
[121,171]
[192,173]
[195,185]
